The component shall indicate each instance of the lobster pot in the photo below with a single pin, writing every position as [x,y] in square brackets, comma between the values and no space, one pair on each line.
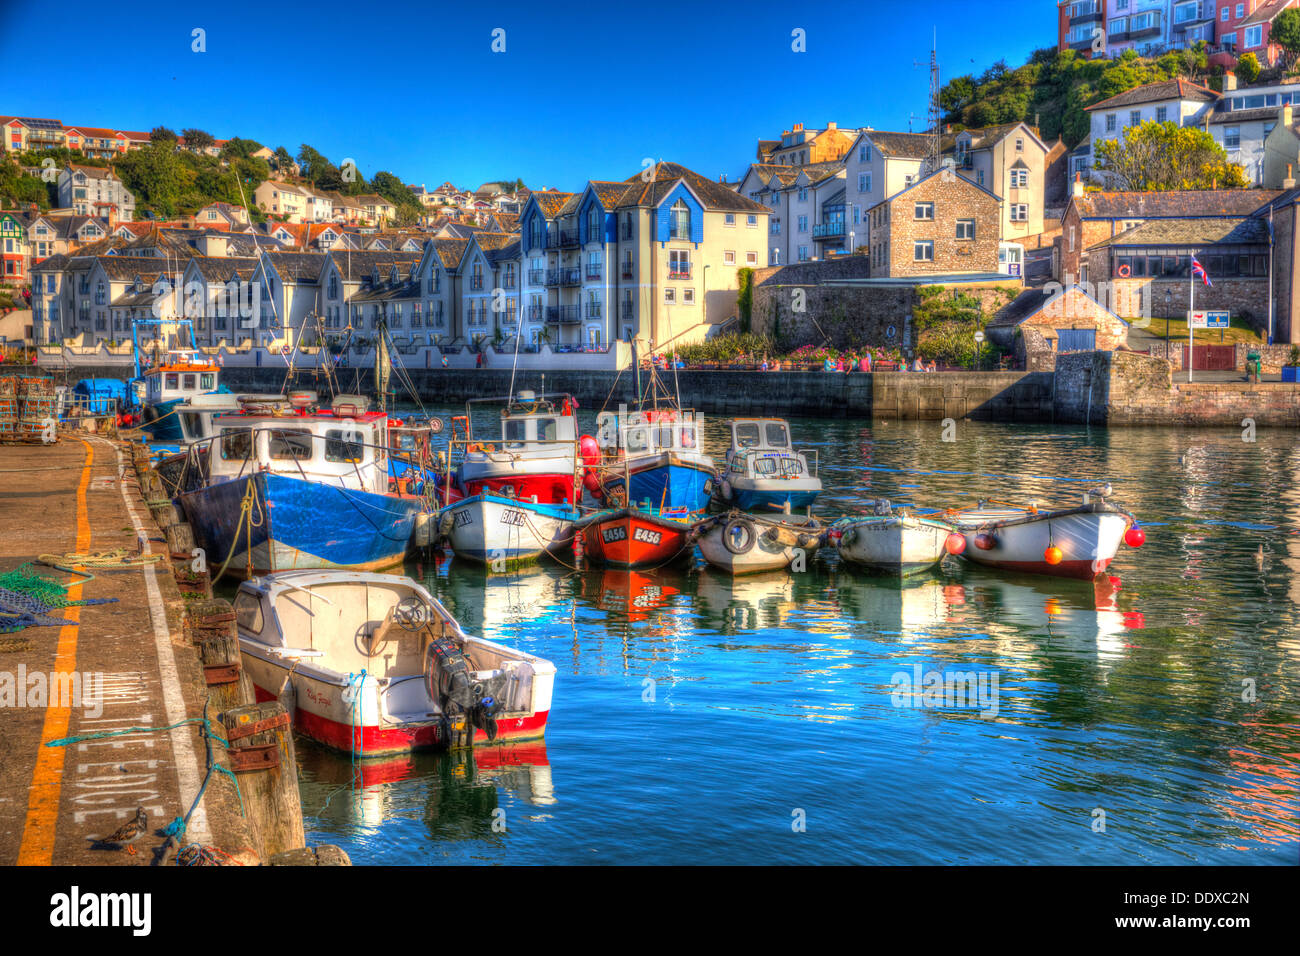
[36,400]
[8,407]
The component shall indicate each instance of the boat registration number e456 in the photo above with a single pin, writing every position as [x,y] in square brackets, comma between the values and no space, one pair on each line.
[610,535]
[512,517]
[647,536]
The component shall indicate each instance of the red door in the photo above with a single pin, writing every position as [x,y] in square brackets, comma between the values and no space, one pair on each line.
[1212,358]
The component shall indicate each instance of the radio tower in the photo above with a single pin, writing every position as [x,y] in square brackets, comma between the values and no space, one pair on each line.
[932,150]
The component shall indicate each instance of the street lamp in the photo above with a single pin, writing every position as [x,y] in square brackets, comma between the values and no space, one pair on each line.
[1169,309]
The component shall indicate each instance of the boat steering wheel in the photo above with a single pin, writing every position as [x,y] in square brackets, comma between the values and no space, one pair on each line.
[411,614]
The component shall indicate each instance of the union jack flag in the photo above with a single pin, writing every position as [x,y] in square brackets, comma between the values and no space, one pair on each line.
[1198,271]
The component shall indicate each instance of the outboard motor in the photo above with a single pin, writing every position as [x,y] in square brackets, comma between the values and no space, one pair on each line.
[451,683]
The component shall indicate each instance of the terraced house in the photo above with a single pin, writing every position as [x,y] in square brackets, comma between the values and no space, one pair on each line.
[489,289]
[95,191]
[438,275]
[654,258]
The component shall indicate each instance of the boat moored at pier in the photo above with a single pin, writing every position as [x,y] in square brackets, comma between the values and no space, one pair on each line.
[373,665]
[902,542]
[636,537]
[763,472]
[745,544]
[490,528]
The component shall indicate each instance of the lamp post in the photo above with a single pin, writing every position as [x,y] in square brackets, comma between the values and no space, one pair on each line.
[1169,306]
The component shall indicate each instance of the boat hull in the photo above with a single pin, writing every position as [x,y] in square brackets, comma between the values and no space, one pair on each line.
[901,544]
[767,553]
[161,424]
[759,500]
[628,538]
[304,524]
[488,528]
[667,480]
[1088,539]
[323,711]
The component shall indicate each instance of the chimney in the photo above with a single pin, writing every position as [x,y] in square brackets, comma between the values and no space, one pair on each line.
[1076,187]
[1289,182]
[830,124]
[798,128]
[1229,81]
[1288,116]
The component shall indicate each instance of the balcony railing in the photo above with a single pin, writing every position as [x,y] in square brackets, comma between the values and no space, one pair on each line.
[535,313]
[561,238]
[593,310]
[476,283]
[536,276]
[828,229]
[627,270]
[562,314]
[508,281]
[627,311]
[680,271]
[594,270]
[565,276]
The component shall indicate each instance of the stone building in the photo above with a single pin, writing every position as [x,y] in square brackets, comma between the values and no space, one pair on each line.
[943,224]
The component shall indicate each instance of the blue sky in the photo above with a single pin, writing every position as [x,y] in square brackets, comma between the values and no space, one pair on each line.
[582,91]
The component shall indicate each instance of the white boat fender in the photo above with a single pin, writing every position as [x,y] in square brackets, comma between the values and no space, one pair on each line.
[739,535]
[726,490]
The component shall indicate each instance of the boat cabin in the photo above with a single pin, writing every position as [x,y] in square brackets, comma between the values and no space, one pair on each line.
[330,447]
[650,432]
[760,448]
[180,377]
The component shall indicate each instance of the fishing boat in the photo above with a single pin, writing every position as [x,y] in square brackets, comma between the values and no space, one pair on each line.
[274,492]
[373,665]
[636,537]
[536,456]
[502,531]
[742,543]
[652,458]
[902,542]
[763,471]
[1077,542]
[178,379]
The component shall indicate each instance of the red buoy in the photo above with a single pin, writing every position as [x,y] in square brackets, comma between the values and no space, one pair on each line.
[955,543]
[985,542]
[1053,555]
[1135,537]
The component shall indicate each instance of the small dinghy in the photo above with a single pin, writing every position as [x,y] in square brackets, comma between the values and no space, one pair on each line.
[742,543]
[373,665]
[902,543]
[1078,542]
[491,528]
[763,472]
[636,537]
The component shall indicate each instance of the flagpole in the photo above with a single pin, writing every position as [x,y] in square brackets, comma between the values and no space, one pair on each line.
[1191,307]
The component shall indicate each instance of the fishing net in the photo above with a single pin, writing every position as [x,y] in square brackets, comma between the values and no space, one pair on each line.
[26,600]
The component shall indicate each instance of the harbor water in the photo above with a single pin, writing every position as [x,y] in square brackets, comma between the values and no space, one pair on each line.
[1147,717]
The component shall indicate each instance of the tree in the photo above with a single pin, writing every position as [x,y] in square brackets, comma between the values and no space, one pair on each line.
[1165,156]
[1285,32]
[237,148]
[157,176]
[1248,68]
[162,134]
[282,160]
[197,139]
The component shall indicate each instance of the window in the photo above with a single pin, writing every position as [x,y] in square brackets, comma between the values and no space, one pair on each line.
[1134,117]
[923,251]
[751,258]
[729,219]
[803,193]
[1020,146]
[248,612]
[1110,122]
[289,444]
[775,227]
[337,449]
[864,153]
[751,220]
[965,228]
[864,182]
[923,210]
[728,257]
[679,221]
[679,266]
[1254,36]
[670,295]
[1232,137]
[1162,114]
[236,444]
[1019,212]
[688,297]
[1019,179]
[803,223]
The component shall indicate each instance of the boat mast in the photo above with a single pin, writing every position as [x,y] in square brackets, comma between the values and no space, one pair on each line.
[382,366]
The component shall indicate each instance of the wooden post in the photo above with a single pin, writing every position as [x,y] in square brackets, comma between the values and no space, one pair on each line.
[180,539]
[262,756]
[228,684]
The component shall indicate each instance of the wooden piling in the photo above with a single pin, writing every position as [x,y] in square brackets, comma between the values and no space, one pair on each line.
[228,684]
[262,756]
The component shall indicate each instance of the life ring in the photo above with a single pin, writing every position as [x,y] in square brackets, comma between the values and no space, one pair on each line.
[749,537]
[1123,272]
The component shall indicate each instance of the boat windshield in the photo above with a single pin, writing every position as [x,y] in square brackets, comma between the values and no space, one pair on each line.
[341,445]
[777,436]
[747,434]
[288,444]
[236,444]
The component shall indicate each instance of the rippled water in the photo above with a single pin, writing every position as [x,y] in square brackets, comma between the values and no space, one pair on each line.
[1148,718]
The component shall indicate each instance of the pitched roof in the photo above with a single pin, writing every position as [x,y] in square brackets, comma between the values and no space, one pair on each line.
[1266,12]
[1192,232]
[1186,204]
[298,266]
[1179,89]
[450,251]
[94,172]
[354,265]
[551,202]
[128,267]
[899,145]
[664,178]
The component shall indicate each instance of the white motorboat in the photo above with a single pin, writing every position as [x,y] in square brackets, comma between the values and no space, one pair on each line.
[763,472]
[902,542]
[745,544]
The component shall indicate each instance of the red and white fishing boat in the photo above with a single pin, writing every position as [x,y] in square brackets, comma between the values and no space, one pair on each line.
[372,664]
[1078,542]
[636,538]
[536,458]
[504,532]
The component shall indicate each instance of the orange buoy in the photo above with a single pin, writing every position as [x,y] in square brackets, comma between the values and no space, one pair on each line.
[1053,555]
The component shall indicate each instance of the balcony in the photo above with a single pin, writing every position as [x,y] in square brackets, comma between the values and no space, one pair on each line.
[476,283]
[627,311]
[508,281]
[562,238]
[535,313]
[679,270]
[562,314]
[828,230]
[593,310]
[627,270]
[536,276]
[594,271]
[564,277]
[1141,26]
